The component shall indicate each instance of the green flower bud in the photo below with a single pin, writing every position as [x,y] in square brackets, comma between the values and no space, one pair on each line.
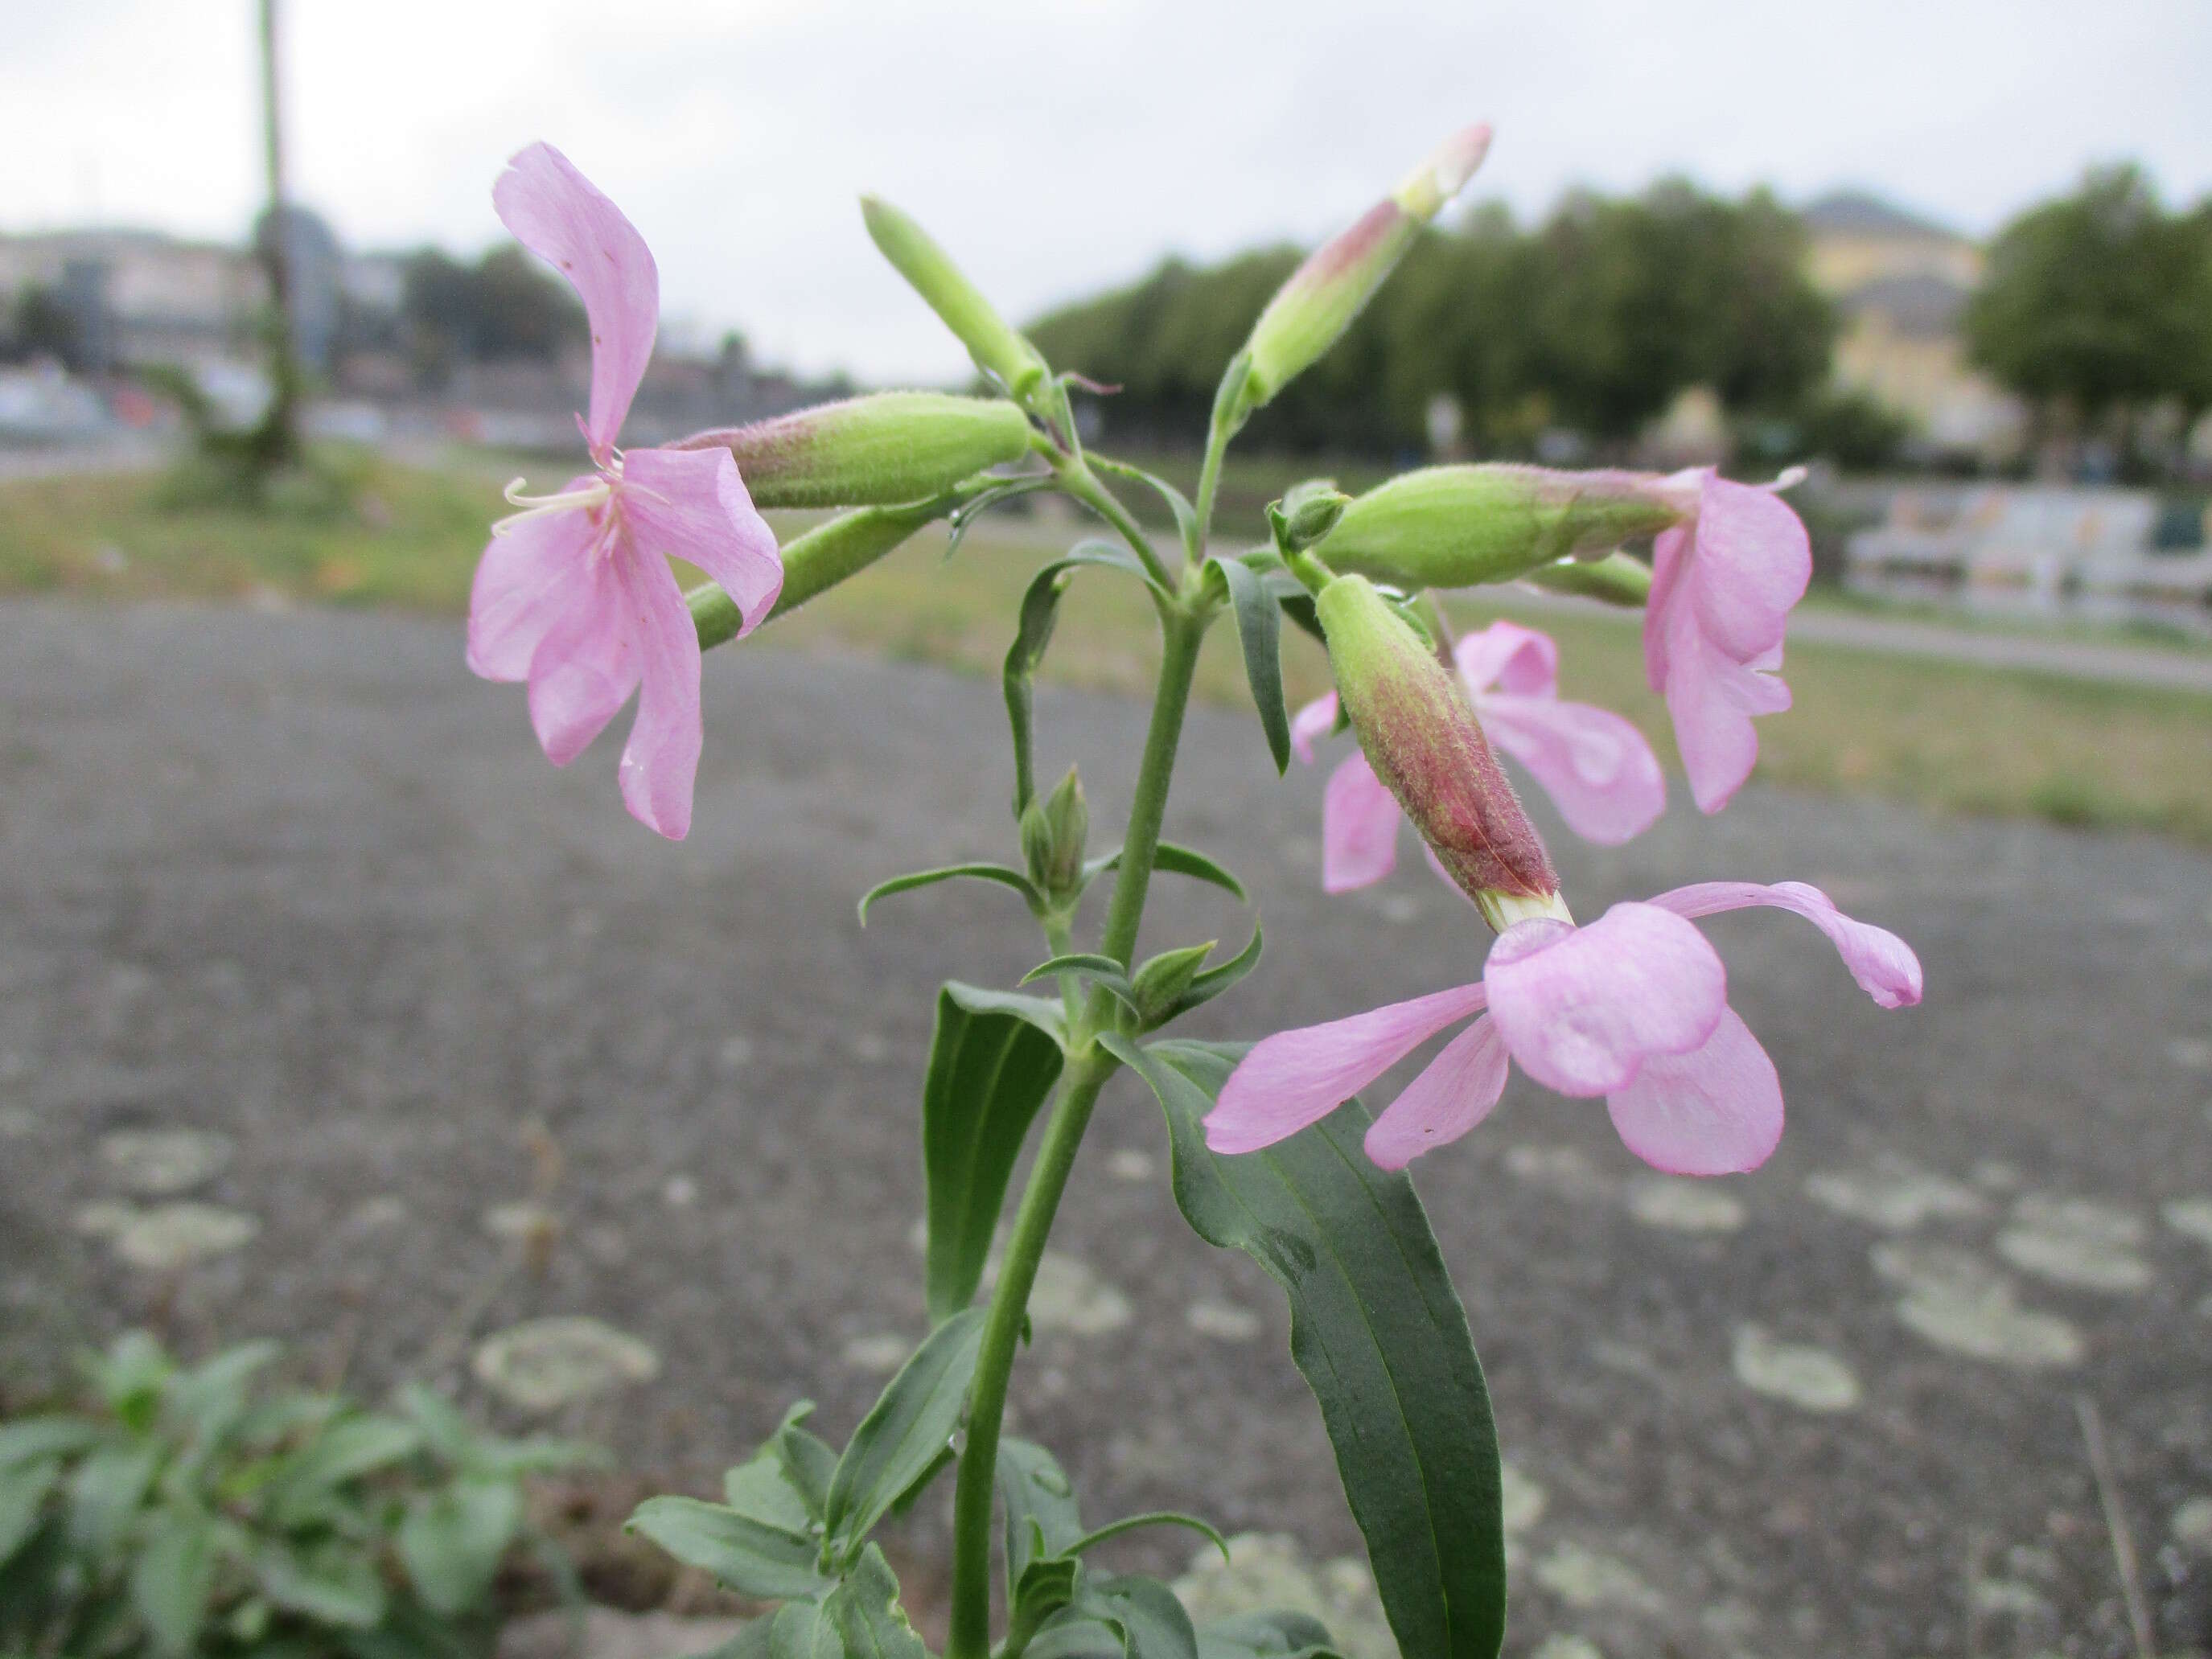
[877,450]
[1457,526]
[814,563]
[1414,719]
[1306,512]
[1160,983]
[1054,829]
[1310,311]
[1616,578]
[998,351]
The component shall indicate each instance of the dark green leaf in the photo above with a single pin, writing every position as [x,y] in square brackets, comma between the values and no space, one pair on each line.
[1041,1518]
[766,1563]
[347,1449]
[211,1397]
[173,1577]
[1299,608]
[130,1376]
[452,1541]
[40,1437]
[904,1431]
[1379,1333]
[23,1488]
[964,517]
[797,1630]
[1154,1518]
[1160,982]
[1215,980]
[866,1613]
[336,1584]
[809,1461]
[1151,1622]
[1075,1636]
[1042,1013]
[1259,630]
[992,1064]
[1101,971]
[1274,1634]
[448,1431]
[906,1500]
[1003,874]
[106,1490]
[1040,609]
[1176,862]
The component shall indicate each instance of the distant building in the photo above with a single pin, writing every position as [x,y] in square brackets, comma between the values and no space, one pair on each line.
[1902,283]
[138,296]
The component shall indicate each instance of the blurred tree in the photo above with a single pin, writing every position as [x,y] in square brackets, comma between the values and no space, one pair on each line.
[504,306]
[42,325]
[2098,305]
[1598,320]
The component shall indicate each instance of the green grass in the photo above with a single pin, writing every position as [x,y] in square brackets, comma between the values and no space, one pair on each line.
[1945,736]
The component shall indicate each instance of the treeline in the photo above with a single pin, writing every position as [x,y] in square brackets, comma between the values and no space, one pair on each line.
[1593,322]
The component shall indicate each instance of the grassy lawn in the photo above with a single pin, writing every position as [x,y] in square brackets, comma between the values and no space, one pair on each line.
[1952,737]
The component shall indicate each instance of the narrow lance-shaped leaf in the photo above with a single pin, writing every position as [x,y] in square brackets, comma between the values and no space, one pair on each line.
[903,1433]
[768,1563]
[1380,1336]
[1005,875]
[1259,630]
[1215,980]
[1040,609]
[1175,860]
[866,1613]
[989,1073]
[1039,1501]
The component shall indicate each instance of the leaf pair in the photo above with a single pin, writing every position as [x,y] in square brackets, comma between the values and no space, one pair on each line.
[1164,987]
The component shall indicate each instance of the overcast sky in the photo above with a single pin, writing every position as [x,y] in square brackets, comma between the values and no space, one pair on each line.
[1054,147]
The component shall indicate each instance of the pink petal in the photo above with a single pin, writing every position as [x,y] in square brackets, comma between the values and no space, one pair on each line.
[585,667]
[522,585]
[660,762]
[1516,660]
[1454,1092]
[1316,720]
[1882,963]
[690,504]
[1751,565]
[1595,766]
[1296,1078]
[1670,550]
[1711,700]
[1716,1110]
[1359,828]
[1582,1008]
[555,213]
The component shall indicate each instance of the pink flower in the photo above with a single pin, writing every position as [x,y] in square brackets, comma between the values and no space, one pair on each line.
[1596,766]
[573,593]
[1633,1007]
[1724,582]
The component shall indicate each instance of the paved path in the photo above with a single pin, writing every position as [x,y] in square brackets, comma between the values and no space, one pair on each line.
[299,885]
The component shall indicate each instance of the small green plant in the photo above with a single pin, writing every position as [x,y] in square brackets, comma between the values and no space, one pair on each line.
[189,1511]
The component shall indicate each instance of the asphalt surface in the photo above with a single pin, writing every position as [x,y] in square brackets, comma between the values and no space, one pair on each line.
[298,884]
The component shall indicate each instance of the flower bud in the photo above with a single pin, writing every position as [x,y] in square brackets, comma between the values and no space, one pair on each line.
[1054,829]
[814,563]
[1306,512]
[1314,307]
[1419,733]
[998,351]
[1159,984]
[1457,526]
[1616,578]
[877,450]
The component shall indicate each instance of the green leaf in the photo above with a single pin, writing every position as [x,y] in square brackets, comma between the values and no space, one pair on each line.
[1215,980]
[452,1541]
[1101,971]
[173,1577]
[24,1484]
[1186,516]
[1152,1518]
[130,1378]
[866,1613]
[787,1482]
[211,1397]
[448,1431]
[1152,1623]
[1276,1633]
[106,1490]
[1176,862]
[1047,1015]
[1299,608]
[29,1439]
[1045,1584]
[1259,630]
[809,1461]
[904,1431]
[992,1064]
[1004,876]
[335,1585]
[1039,1500]
[349,1448]
[1040,609]
[1160,982]
[797,1630]
[1380,1336]
[764,1562]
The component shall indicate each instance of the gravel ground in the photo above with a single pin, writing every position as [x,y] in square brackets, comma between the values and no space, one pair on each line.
[328,1010]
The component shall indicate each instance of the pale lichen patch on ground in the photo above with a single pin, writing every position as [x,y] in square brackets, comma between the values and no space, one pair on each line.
[1684,1206]
[882,1351]
[166,1237]
[162,1162]
[1810,1378]
[1894,1196]
[543,1364]
[1959,1303]
[1223,1320]
[1268,1570]
[1069,1297]
[1582,1578]
[2077,1243]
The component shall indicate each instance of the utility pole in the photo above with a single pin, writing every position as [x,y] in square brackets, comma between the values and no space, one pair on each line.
[277,443]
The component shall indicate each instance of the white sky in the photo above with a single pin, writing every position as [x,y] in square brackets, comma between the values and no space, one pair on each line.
[1054,147]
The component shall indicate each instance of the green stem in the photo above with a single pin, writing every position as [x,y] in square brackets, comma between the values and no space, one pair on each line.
[1183,629]
[1209,480]
[1077,478]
